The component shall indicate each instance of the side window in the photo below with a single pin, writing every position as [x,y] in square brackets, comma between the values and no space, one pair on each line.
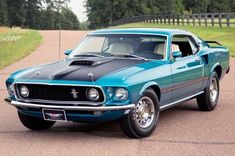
[184,44]
[192,44]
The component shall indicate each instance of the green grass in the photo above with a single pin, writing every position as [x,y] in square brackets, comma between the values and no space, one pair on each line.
[16,43]
[225,36]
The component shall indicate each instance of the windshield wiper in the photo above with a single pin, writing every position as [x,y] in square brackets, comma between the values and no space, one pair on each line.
[88,55]
[130,55]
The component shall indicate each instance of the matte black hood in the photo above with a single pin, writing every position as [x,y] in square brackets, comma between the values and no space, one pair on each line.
[79,69]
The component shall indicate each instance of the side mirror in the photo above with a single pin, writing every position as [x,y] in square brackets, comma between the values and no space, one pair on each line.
[177,54]
[67,52]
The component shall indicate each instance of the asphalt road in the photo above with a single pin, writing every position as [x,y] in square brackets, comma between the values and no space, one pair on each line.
[182,130]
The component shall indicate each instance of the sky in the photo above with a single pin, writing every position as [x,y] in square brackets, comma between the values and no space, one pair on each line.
[78,8]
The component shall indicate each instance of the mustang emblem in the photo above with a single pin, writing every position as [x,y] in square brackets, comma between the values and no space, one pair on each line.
[74,93]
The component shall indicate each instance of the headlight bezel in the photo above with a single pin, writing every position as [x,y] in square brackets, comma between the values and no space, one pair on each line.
[121,94]
[94,98]
[25,90]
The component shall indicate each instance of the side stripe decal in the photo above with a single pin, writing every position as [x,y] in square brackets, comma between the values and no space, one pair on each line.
[168,89]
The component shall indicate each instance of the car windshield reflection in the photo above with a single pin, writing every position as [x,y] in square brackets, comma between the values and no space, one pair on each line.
[125,46]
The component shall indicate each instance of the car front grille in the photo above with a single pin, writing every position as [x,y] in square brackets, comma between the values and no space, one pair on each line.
[57,93]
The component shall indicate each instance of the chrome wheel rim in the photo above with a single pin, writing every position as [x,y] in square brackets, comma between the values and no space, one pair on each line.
[213,89]
[144,112]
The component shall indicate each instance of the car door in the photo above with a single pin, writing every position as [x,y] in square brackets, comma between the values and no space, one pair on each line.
[187,71]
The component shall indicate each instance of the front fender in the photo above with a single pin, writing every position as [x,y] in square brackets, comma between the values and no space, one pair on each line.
[147,85]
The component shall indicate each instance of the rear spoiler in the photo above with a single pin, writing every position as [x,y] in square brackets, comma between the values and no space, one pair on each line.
[213,42]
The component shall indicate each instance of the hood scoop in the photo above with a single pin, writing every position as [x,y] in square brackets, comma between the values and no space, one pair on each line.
[90,62]
[82,63]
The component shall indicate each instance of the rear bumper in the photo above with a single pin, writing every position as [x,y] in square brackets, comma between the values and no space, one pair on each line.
[228,69]
[73,108]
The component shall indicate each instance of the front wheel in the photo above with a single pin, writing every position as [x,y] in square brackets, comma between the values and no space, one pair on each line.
[142,120]
[209,99]
[34,123]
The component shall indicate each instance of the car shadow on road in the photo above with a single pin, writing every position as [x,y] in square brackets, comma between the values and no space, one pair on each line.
[107,129]
[187,106]
[112,129]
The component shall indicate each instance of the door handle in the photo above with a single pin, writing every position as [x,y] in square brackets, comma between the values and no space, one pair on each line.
[198,60]
[181,67]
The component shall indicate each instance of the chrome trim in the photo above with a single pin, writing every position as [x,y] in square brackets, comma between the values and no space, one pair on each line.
[78,108]
[18,98]
[144,112]
[176,102]
[91,103]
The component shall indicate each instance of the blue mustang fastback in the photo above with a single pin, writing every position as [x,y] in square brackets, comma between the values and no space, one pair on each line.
[129,75]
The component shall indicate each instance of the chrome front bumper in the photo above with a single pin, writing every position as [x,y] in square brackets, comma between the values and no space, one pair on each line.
[228,69]
[75,108]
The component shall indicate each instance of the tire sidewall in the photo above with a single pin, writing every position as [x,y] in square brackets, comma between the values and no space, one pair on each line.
[144,132]
[34,123]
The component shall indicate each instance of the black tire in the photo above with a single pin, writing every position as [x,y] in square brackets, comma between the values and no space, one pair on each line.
[34,123]
[204,100]
[129,124]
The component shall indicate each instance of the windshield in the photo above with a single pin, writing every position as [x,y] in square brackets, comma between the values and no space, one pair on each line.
[121,45]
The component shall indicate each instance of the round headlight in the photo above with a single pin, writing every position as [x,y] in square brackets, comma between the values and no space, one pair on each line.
[24,91]
[93,94]
[11,90]
[121,94]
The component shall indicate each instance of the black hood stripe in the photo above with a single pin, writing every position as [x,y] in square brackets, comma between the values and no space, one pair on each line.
[65,71]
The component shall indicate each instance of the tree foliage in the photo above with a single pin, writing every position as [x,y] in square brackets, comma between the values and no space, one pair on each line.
[3,13]
[102,13]
[16,12]
[38,14]
[53,14]
[105,12]
[219,6]
[32,8]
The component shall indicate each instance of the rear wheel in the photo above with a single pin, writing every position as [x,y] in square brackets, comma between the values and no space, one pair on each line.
[209,99]
[34,123]
[142,120]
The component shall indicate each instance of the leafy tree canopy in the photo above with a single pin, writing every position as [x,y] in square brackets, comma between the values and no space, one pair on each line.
[38,14]
[102,13]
